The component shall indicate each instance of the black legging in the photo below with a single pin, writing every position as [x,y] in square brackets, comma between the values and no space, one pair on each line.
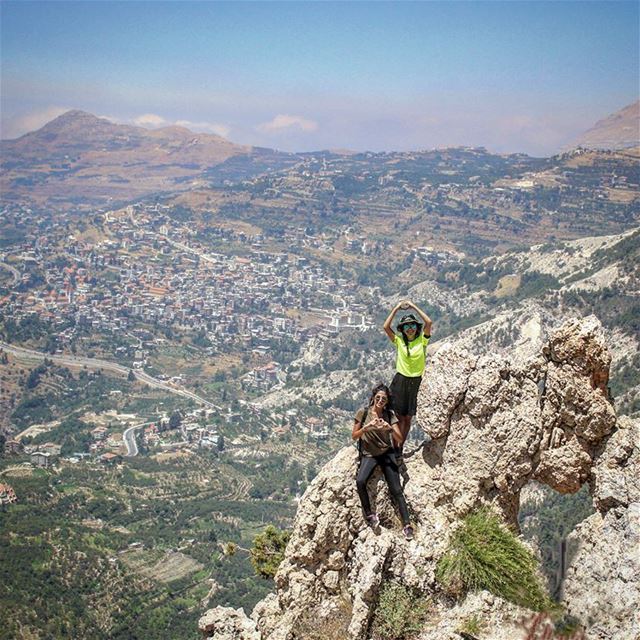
[391,475]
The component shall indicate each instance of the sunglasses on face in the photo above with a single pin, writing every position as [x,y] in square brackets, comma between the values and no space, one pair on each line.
[380,398]
[411,325]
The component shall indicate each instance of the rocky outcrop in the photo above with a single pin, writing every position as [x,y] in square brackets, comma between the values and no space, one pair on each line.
[225,623]
[493,424]
[602,584]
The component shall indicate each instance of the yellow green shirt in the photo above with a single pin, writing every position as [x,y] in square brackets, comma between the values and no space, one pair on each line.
[411,365]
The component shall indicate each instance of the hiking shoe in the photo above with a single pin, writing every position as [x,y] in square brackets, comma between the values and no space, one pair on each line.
[373,521]
[408,532]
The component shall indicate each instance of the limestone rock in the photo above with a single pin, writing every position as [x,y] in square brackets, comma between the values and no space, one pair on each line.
[501,619]
[225,623]
[440,397]
[616,475]
[577,413]
[493,424]
[580,345]
[602,585]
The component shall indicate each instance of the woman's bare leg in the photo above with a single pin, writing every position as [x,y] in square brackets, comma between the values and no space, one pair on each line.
[404,424]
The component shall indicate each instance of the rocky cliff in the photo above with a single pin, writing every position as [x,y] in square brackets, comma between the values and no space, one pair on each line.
[493,424]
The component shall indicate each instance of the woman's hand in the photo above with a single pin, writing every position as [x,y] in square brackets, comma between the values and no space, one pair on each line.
[382,424]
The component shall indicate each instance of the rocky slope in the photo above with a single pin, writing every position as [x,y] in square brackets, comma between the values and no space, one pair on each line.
[494,423]
[597,275]
[620,130]
[78,154]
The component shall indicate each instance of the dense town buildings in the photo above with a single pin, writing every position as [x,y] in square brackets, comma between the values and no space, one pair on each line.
[148,270]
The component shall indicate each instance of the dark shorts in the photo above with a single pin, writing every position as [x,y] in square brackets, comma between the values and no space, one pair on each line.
[405,394]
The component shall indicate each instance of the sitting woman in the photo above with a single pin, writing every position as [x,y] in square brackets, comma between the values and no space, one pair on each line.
[377,432]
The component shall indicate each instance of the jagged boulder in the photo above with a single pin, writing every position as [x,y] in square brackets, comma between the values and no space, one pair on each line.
[577,414]
[493,424]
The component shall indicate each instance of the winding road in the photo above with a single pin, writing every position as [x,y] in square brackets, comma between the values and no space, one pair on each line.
[94,363]
[129,437]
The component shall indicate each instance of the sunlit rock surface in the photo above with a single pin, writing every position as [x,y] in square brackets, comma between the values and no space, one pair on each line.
[493,424]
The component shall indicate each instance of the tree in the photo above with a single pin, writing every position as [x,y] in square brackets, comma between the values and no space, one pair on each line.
[132,376]
[52,344]
[34,377]
[175,420]
[268,551]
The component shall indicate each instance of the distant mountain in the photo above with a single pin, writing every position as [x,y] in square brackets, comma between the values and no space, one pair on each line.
[80,157]
[76,132]
[618,131]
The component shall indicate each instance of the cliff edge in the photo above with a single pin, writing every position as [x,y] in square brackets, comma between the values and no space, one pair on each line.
[493,425]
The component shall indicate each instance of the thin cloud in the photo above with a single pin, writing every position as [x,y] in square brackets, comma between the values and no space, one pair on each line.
[19,125]
[206,127]
[283,122]
[150,120]
[154,121]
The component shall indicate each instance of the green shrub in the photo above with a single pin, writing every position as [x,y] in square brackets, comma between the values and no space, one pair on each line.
[268,550]
[399,614]
[483,554]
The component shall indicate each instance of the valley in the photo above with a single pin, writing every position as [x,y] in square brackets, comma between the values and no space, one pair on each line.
[227,318]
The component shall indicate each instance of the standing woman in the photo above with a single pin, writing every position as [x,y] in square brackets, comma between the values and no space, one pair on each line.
[411,345]
[376,429]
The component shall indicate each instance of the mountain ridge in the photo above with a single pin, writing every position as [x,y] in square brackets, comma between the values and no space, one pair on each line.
[72,118]
[78,156]
[619,130]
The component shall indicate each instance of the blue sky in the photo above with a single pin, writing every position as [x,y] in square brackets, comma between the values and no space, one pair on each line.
[512,76]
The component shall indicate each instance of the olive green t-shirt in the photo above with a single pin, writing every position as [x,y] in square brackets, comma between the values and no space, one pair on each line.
[375,443]
[412,364]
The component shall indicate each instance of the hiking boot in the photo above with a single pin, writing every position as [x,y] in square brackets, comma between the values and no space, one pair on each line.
[408,532]
[373,521]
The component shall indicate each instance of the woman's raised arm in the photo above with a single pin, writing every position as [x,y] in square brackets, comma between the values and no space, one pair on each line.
[387,323]
[426,319]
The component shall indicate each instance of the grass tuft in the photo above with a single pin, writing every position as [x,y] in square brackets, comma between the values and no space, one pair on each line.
[484,554]
[473,626]
[400,614]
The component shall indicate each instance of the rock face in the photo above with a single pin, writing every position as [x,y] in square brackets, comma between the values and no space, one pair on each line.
[224,623]
[493,424]
[602,584]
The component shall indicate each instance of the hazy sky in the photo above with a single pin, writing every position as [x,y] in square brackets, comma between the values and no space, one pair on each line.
[512,76]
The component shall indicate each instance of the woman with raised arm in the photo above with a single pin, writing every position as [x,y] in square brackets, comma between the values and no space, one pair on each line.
[376,429]
[411,345]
